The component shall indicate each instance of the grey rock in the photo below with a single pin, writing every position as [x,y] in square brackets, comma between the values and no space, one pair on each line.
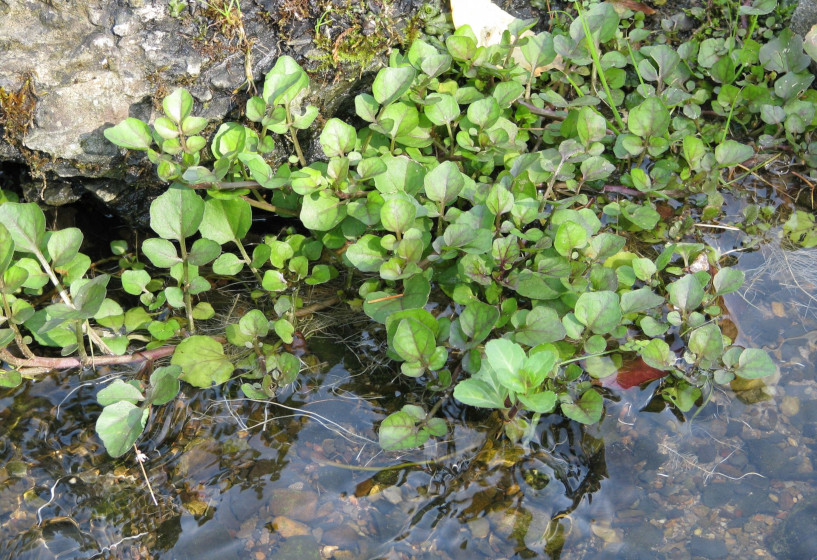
[707,548]
[96,62]
[804,17]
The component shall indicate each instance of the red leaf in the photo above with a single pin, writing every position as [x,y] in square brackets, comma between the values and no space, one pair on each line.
[633,374]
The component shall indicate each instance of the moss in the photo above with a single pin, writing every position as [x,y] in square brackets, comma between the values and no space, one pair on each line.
[17,111]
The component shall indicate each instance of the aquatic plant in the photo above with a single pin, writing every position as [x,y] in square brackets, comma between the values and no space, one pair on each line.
[527,184]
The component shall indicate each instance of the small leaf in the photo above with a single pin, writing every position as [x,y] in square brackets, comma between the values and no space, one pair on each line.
[337,138]
[119,426]
[731,153]
[728,280]
[63,245]
[225,220]
[686,293]
[161,252]
[25,223]
[177,105]
[391,83]
[131,134]
[177,213]
[119,391]
[599,311]
[399,431]
[587,410]
[202,361]
[755,363]
[164,384]
[414,341]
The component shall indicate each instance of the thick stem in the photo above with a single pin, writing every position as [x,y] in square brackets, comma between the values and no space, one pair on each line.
[50,364]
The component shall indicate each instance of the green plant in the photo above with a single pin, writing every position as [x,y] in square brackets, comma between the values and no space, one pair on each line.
[473,178]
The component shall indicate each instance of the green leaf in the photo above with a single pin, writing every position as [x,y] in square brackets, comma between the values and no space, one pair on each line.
[731,153]
[25,223]
[161,252]
[686,293]
[284,82]
[284,330]
[706,343]
[636,301]
[538,50]
[120,425]
[649,119]
[587,410]
[10,378]
[442,108]
[658,354]
[6,248]
[542,325]
[755,363]
[202,361]
[254,324]
[90,294]
[477,320]
[177,105]
[590,126]
[337,138]
[321,211]
[131,134]
[484,113]
[399,431]
[542,403]
[225,220]
[506,359]
[164,385]
[398,212]
[119,391]
[414,341]
[402,174]
[203,251]
[475,392]
[444,183]
[391,83]
[728,280]
[569,236]
[63,245]
[599,311]
[176,214]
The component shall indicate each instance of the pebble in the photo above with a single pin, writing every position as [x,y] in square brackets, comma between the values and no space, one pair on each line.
[287,527]
[790,406]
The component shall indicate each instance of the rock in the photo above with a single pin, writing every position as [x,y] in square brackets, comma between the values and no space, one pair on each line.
[795,537]
[287,527]
[804,17]
[89,64]
[708,548]
[300,505]
[299,548]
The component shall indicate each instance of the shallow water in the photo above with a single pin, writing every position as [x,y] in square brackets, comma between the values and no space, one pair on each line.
[304,479]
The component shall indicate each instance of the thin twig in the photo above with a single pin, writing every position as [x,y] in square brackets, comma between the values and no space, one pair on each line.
[140,458]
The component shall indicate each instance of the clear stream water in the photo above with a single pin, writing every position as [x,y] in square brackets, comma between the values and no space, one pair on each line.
[236,479]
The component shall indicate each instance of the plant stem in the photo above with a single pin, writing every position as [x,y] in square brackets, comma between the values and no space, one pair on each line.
[269,207]
[50,364]
[18,337]
[594,52]
[188,302]
[293,133]
[247,259]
